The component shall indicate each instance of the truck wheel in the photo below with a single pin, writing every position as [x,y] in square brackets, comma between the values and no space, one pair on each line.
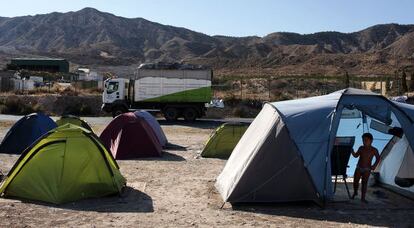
[190,114]
[118,111]
[171,114]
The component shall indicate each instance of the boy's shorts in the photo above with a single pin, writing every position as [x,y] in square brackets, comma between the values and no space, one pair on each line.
[364,170]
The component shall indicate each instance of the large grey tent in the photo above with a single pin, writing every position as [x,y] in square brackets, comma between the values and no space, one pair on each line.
[285,153]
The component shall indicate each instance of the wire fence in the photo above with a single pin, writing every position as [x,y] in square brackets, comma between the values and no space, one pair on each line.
[291,87]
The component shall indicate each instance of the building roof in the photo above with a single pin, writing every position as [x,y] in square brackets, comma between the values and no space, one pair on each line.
[171,66]
[39,59]
[42,64]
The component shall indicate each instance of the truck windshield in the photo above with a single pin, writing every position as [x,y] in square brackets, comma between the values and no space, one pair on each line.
[112,87]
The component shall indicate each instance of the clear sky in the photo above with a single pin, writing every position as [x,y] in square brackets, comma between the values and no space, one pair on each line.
[238,17]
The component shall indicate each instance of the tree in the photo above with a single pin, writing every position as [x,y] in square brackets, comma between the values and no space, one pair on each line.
[10,66]
[388,85]
[412,81]
[347,80]
[404,86]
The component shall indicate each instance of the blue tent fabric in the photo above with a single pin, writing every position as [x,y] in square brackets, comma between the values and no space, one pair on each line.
[154,125]
[25,132]
[407,108]
[312,124]
[309,121]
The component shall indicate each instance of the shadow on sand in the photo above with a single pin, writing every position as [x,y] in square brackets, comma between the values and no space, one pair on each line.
[203,124]
[171,146]
[131,200]
[372,217]
[166,156]
[393,210]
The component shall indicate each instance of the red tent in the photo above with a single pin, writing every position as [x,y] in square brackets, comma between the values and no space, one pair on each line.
[129,136]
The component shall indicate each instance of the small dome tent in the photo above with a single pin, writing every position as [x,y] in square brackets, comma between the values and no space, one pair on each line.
[285,153]
[64,165]
[222,142]
[73,120]
[129,136]
[154,125]
[25,132]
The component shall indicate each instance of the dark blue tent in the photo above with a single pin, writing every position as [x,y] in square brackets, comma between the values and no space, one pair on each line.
[26,131]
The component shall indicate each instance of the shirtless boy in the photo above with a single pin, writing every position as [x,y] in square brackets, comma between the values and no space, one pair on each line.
[364,166]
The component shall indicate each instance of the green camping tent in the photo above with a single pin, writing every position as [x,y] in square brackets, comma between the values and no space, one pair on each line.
[222,142]
[67,164]
[73,120]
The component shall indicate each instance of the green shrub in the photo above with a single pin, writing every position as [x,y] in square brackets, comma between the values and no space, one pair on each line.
[69,91]
[244,111]
[241,111]
[78,110]
[283,96]
[14,105]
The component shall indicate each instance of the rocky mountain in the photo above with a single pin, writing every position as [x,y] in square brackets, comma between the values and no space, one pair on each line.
[89,36]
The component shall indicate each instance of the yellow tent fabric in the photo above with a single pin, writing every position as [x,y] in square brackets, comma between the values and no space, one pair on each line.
[73,120]
[67,164]
[222,142]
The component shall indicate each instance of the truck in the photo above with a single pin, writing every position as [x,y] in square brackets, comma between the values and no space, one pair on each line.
[175,90]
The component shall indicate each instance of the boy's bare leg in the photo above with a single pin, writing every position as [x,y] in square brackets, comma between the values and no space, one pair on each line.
[357,176]
[365,177]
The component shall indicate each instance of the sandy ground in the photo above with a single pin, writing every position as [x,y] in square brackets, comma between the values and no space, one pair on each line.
[177,191]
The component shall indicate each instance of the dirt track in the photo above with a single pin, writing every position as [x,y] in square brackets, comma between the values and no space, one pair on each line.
[177,190]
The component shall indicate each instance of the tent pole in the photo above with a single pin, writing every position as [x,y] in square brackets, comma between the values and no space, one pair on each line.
[334,126]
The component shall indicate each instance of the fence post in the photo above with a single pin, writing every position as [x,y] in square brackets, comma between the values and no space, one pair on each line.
[398,83]
[381,87]
[269,81]
[241,88]
[215,88]
[297,90]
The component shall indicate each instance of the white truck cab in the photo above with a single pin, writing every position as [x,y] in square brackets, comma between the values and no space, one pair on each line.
[115,89]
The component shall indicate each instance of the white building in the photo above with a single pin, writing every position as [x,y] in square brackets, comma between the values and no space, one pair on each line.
[23,84]
[86,74]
